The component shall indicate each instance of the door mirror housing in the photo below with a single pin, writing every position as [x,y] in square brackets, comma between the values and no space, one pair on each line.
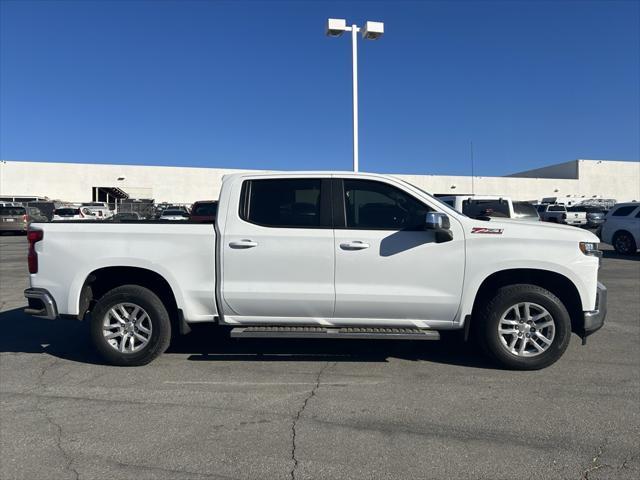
[437,221]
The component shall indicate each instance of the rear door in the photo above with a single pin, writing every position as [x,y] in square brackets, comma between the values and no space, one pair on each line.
[389,269]
[277,251]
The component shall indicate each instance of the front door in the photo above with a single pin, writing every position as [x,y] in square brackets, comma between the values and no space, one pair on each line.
[389,269]
[277,252]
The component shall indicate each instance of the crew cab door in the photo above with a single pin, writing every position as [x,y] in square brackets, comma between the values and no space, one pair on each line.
[276,247]
[390,270]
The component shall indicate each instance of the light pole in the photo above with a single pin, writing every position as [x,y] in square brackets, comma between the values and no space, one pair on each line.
[371,31]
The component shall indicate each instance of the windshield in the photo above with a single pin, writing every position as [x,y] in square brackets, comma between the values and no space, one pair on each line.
[436,199]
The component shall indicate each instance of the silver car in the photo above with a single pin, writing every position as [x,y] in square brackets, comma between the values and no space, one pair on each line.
[13,219]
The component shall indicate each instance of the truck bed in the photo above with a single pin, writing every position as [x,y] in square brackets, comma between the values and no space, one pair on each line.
[183,253]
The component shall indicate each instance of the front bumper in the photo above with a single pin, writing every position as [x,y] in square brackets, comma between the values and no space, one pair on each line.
[594,320]
[41,303]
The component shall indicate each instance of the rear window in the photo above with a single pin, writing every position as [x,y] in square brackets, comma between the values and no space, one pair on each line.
[524,209]
[485,208]
[557,208]
[66,212]
[205,209]
[175,212]
[285,203]
[12,211]
[624,211]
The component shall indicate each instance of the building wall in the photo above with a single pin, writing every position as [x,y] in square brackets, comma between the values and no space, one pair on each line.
[73,182]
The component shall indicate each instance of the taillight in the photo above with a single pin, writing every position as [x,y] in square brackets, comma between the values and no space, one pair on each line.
[564,216]
[33,236]
[25,218]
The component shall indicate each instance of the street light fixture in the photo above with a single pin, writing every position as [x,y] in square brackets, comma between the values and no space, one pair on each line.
[371,31]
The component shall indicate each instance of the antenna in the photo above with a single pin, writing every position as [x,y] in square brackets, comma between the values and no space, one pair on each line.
[473,192]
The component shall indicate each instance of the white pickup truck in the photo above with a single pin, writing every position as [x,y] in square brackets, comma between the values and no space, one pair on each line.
[322,255]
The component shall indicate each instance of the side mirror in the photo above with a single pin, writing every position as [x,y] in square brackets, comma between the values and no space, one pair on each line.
[437,221]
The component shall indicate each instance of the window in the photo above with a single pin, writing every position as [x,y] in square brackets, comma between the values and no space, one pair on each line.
[286,203]
[371,205]
[485,208]
[624,211]
[524,209]
[541,208]
[638,214]
[205,209]
[557,208]
[12,211]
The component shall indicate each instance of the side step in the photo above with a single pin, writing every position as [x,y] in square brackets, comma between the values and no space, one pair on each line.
[347,333]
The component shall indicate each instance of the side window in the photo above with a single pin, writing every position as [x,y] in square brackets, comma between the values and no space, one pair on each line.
[638,214]
[284,203]
[624,211]
[372,205]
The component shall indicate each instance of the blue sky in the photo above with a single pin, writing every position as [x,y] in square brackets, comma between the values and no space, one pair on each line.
[257,84]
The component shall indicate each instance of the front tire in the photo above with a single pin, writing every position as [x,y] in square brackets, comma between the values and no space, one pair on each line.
[130,326]
[524,327]
[624,243]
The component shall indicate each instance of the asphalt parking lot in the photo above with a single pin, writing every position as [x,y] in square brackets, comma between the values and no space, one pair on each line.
[215,408]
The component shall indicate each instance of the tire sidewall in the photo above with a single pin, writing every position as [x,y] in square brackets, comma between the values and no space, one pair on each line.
[510,296]
[161,325]
[624,251]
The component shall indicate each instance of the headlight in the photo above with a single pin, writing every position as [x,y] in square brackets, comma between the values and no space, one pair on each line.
[590,248]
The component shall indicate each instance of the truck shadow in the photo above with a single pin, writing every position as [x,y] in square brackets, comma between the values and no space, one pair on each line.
[614,254]
[69,339]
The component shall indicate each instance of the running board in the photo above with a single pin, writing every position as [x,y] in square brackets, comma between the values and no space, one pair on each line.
[343,333]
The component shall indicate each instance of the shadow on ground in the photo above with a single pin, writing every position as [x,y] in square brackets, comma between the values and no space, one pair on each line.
[616,255]
[69,339]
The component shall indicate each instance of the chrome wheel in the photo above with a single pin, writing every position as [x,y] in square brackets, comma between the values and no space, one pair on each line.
[127,327]
[526,329]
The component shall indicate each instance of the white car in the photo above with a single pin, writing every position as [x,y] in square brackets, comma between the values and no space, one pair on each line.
[484,206]
[558,214]
[322,255]
[70,213]
[100,210]
[174,214]
[621,228]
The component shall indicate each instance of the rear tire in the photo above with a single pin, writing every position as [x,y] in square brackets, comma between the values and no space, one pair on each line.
[539,321]
[624,243]
[130,326]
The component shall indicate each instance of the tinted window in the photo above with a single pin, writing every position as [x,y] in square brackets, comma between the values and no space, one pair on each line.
[624,211]
[67,212]
[205,209]
[378,206]
[485,208]
[541,208]
[12,211]
[524,209]
[286,203]
[557,208]
[175,212]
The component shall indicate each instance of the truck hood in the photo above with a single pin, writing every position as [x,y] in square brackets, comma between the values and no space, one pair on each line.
[536,230]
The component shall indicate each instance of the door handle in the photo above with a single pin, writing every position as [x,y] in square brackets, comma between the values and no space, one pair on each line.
[354,245]
[244,243]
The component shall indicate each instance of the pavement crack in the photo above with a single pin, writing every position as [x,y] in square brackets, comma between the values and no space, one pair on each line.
[57,427]
[297,417]
[595,462]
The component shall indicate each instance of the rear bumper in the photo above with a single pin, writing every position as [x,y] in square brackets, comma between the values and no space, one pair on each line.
[41,303]
[594,320]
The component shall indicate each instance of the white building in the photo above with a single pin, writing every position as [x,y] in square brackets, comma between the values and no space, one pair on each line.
[74,182]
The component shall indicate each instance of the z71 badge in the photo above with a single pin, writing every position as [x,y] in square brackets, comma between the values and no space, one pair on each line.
[490,231]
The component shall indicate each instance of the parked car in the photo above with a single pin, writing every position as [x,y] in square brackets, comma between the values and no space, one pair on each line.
[70,213]
[35,215]
[559,214]
[621,228]
[595,215]
[174,214]
[100,210]
[204,211]
[125,217]
[13,219]
[487,207]
[334,255]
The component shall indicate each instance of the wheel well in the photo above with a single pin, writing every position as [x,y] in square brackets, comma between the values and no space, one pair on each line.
[618,232]
[102,280]
[556,283]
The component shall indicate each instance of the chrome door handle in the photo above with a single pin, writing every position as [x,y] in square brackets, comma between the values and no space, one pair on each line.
[244,243]
[354,245]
